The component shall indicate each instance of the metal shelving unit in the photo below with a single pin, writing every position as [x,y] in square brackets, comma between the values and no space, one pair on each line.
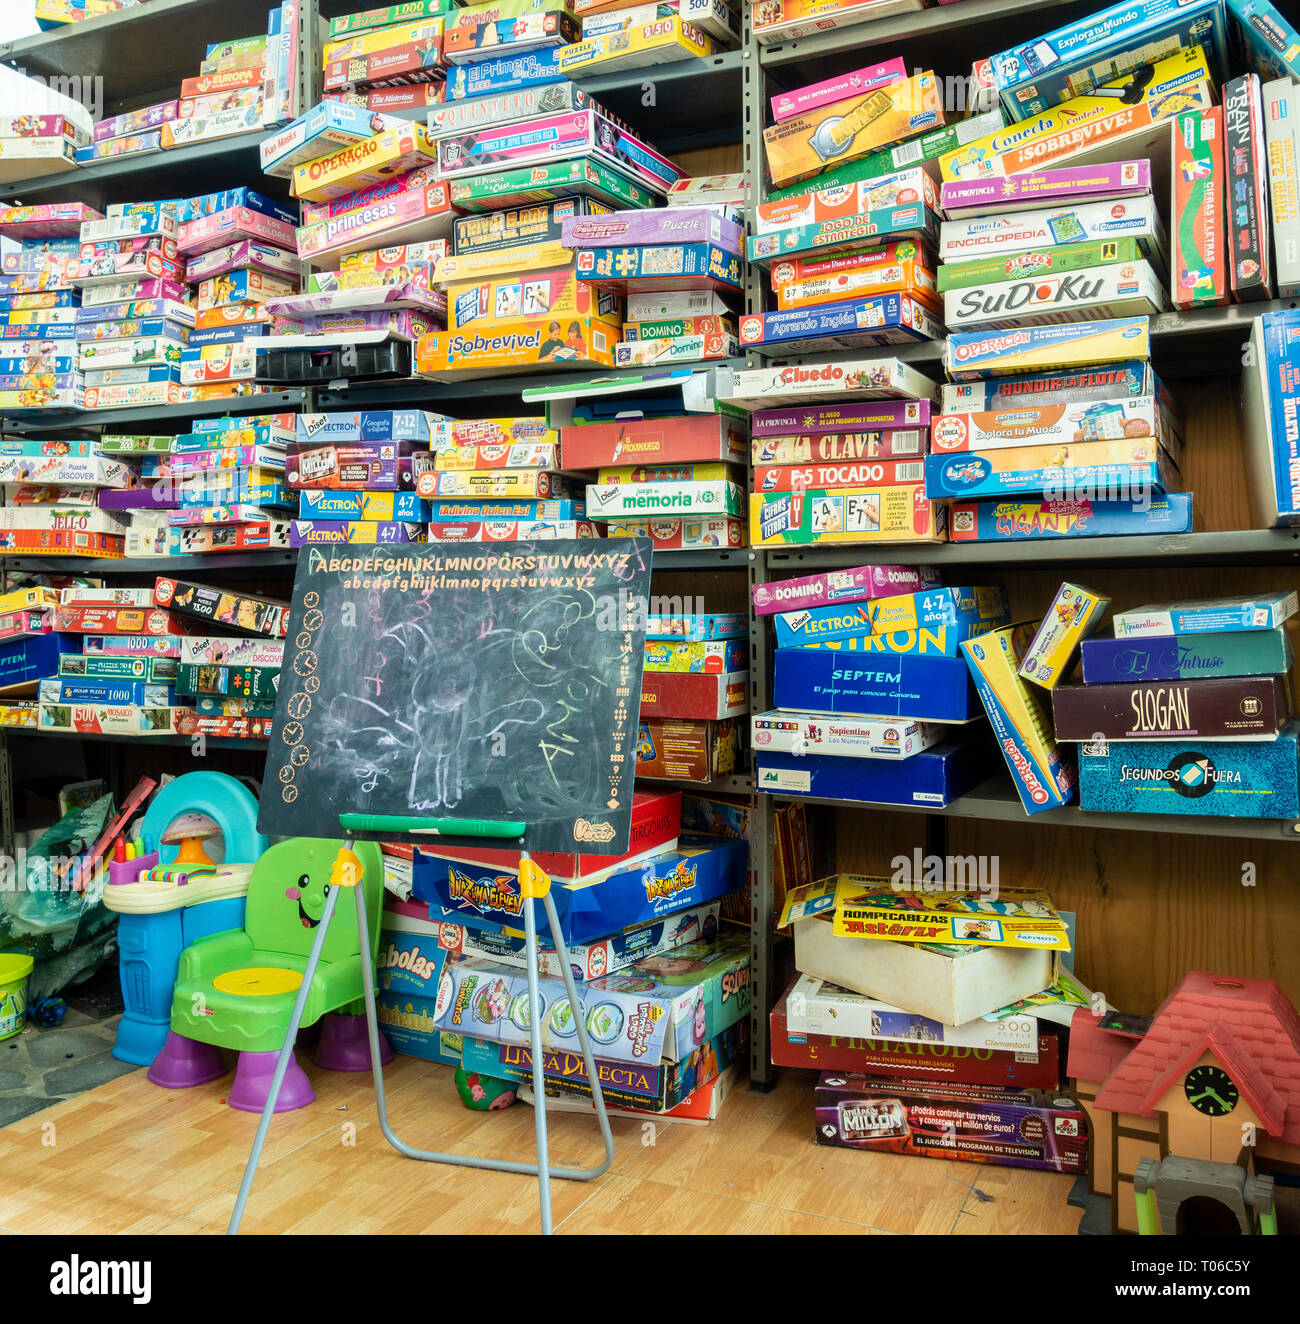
[111,420]
[149,567]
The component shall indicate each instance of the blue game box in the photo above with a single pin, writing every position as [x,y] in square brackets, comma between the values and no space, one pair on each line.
[930,689]
[1186,656]
[935,777]
[1231,778]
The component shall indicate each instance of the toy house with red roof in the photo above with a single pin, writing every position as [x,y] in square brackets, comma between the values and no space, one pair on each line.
[1215,1079]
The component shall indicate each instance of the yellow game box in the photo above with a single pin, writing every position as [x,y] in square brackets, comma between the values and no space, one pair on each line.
[1121,110]
[658,42]
[1074,614]
[807,144]
[866,907]
[489,262]
[361,165]
[571,341]
[557,293]
[381,39]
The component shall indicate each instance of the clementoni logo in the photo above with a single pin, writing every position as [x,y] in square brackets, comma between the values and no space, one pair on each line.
[681,878]
[500,894]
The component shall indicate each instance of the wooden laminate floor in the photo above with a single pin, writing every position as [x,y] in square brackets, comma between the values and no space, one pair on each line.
[128,1157]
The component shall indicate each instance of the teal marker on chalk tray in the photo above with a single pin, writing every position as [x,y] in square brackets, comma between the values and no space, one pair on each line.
[434,827]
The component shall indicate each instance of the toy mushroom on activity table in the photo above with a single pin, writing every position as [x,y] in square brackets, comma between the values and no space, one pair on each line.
[188,833]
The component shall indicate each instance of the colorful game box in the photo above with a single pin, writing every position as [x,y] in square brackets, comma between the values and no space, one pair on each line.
[1099,470]
[1019,233]
[1017,1128]
[846,234]
[845,737]
[647,500]
[896,446]
[925,688]
[935,777]
[806,144]
[1213,615]
[1074,614]
[1187,656]
[547,181]
[1197,272]
[1232,708]
[898,513]
[1050,260]
[841,586]
[578,341]
[795,384]
[1246,159]
[1033,188]
[1116,291]
[1020,722]
[971,355]
[1032,423]
[1119,115]
[854,323]
[1233,778]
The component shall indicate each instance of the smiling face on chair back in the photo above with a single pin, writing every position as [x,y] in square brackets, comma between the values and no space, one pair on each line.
[286,900]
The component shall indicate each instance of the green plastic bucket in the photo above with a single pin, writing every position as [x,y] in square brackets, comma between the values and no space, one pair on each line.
[14,969]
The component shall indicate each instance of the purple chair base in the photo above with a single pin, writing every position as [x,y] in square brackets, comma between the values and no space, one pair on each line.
[184,1063]
[345,1044]
[253,1084]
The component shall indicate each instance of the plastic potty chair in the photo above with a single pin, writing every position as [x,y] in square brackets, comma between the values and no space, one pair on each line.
[158,920]
[237,990]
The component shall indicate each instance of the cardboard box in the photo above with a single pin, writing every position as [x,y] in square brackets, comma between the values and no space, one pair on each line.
[785,105]
[666,1020]
[1014,1128]
[886,319]
[1020,233]
[684,750]
[703,656]
[912,220]
[502,300]
[674,499]
[1077,57]
[806,144]
[898,446]
[319,132]
[671,266]
[1094,470]
[787,20]
[895,269]
[1235,708]
[678,534]
[796,384]
[256,615]
[1236,779]
[668,350]
[821,419]
[466,41]
[694,695]
[1020,724]
[1101,182]
[1197,271]
[934,1063]
[925,688]
[700,870]
[1212,615]
[1108,118]
[1282,136]
[946,982]
[1074,614]
[370,40]
[686,439]
[971,355]
[1270,43]
[910,187]
[362,165]
[549,181]
[823,477]
[660,41]
[506,107]
[584,134]
[899,513]
[1032,423]
[1187,656]
[521,227]
[413,207]
[491,483]
[1271,406]
[842,737]
[1046,261]
[671,226]
[526,342]
[840,586]
[412,62]
[815,1006]
[116,719]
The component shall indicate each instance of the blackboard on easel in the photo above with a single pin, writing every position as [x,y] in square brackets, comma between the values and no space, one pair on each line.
[493,681]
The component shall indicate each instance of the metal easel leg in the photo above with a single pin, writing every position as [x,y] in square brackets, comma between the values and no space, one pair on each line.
[469,1161]
[286,1052]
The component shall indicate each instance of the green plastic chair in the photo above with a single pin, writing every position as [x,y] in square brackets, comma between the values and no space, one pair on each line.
[236,990]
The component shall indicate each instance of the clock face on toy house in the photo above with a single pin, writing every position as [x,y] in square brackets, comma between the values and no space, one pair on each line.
[1210,1091]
